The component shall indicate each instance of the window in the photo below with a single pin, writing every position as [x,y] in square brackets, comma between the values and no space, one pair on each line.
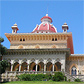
[74,71]
[20,39]
[23,39]
[42,32]
[14,30]
[55,39]
[52,39]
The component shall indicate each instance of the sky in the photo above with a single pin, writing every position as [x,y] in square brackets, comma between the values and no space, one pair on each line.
[27,15]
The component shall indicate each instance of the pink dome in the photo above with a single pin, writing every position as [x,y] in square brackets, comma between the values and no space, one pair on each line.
[45,26]
[46,17]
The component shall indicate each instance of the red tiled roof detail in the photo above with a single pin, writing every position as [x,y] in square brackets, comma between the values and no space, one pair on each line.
[52,28]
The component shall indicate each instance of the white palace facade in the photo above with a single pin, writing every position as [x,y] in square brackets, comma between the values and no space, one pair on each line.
[44,49]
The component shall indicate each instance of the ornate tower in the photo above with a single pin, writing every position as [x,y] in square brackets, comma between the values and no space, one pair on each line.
[65,27]
[14,28]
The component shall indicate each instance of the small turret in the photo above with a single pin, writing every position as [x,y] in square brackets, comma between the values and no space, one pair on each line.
[65,27]
[14,28]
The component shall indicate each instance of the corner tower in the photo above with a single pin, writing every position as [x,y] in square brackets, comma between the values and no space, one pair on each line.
[65,27]
[14,28]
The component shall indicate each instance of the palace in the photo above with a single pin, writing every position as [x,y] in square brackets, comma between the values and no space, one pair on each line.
[43,50]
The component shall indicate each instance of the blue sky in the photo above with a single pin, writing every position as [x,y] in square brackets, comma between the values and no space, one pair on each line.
[28,13]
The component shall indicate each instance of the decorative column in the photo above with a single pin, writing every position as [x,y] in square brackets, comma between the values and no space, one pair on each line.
[53,67]
[44,67]
[19,67]
[36,67]
[63,66]
[28,67]
[11,67]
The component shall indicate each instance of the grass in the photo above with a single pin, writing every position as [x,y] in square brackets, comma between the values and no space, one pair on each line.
[41,82]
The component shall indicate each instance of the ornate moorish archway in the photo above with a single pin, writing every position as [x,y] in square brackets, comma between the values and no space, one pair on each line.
[24,66]
[41,66]
[58,66]
[74,65]
[31,67]
[16,66]
[49,66]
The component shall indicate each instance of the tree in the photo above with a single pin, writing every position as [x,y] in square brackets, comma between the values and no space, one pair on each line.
[4,63]
[2,48]
[1,39]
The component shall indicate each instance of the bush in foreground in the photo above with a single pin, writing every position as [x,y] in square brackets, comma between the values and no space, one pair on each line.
[34,77]
[58,76]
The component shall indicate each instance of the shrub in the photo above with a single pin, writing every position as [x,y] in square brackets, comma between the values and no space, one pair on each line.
[34,77]
[24,77]
[37,77]
[69,80]
[58,76]
[77,80]
[48,76]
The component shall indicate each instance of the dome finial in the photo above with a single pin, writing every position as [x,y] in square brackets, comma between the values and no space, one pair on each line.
[15,24]
[46,14]
[65,23]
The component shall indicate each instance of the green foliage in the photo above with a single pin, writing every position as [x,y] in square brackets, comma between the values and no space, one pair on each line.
[58,76]
[2,48]
[1,39]
[48,76]
[3,65]
[77,80]
[69,80]
[39,77]
[65,78]
[34,77]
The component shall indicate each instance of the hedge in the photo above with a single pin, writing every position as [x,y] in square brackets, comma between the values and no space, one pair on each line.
[34,77]
[58,76]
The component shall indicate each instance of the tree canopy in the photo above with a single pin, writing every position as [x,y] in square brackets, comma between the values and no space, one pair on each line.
[2,48]
[1,39]
[3,63]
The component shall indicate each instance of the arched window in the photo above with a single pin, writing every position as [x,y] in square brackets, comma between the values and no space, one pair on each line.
[23,39]
[73,70]
[52,39]
[20,39]
[55,39]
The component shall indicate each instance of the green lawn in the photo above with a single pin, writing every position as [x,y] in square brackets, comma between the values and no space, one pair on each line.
[41,82]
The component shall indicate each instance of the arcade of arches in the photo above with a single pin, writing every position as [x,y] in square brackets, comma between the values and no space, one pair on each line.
[41,67]
[36,67]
